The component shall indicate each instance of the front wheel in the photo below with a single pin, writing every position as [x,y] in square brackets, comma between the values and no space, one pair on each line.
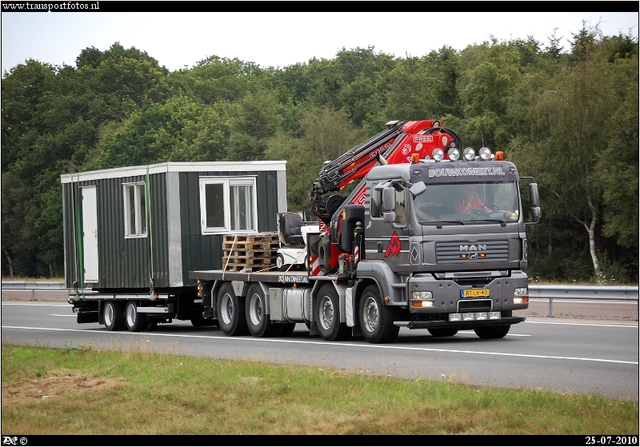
[231,312]
[256,313]
[488,332]
[376,319]
[328,315]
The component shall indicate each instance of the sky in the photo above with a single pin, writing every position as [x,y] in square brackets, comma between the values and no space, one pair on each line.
[278,39]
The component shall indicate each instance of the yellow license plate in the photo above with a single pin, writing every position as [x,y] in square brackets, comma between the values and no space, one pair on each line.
[476,292]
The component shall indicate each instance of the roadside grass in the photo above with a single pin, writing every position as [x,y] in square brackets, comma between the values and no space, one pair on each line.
[88,391]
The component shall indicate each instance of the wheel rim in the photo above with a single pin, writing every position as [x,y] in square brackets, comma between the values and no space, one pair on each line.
[279,261]
[327,313]
[226,309]
[256,309]
[370,314]
[132,314]
[108,314]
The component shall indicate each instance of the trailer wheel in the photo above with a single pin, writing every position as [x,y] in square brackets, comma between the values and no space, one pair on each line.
[443,332]
[134,320]
[113,315]
[376,318]
[231,312]
[256,312]
[328,315]
[488,332]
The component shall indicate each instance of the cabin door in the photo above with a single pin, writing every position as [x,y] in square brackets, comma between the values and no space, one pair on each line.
[90,233]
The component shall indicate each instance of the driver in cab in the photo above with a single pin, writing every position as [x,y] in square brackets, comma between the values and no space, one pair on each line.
[469,201]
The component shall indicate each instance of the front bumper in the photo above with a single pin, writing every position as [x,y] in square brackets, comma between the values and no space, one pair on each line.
[435,324]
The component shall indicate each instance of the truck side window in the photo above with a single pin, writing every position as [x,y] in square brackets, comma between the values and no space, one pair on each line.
[376,203]
[401,209]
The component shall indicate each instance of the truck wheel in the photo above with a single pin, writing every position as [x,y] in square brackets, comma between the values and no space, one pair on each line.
[376,318]
[256,312]
[113,315]
[231,312]
[488,332]
[134,320]
[328,315]
[443,332]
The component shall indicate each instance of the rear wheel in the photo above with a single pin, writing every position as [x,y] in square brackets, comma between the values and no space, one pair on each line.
[443,332]
[113,315]
[231,312]
[328,315]
[134,320]
[377,319]
[488,332]
[256,313]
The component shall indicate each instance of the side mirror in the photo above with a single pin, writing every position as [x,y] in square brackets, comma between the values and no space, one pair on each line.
[388,199]
[533,195]
[418,189]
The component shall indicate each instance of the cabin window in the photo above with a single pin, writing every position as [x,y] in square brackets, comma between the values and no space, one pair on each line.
[228,205]
[135,215]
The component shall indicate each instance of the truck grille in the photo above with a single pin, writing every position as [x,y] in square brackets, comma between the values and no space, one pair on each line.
[461,252]
[474,306]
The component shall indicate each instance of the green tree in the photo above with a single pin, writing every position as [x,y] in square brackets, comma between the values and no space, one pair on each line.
[569,120]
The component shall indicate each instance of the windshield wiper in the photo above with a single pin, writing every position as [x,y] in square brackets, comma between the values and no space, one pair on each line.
[439,223]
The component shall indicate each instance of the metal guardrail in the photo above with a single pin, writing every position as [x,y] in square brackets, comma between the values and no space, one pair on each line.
[549,292]
[33,286]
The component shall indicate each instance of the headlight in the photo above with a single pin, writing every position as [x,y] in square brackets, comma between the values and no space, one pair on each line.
[469,154]
[521,291]
[453,153]
[437,154]
[422,299]
[485,153]
[422,296]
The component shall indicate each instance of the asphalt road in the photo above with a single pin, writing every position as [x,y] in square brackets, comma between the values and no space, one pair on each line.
[566,355]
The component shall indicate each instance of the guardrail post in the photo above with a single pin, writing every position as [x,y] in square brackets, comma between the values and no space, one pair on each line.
[33,294]
[550,308]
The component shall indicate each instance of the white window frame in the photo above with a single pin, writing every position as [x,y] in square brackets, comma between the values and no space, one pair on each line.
[139,210]
[228,188]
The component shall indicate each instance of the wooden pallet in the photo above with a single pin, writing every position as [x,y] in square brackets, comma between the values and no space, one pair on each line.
[239,263]
[250,252]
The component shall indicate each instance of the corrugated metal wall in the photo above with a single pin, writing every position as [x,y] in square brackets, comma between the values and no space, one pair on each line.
[204,252]
[125,263]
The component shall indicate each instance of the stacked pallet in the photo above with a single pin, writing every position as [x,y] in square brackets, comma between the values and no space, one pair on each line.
[249,252]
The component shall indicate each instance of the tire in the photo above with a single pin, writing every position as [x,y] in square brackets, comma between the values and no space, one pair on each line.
[280,262]
[134,320]
[256,313]
[443,332]
[376,319]
[198,321]
[113,315]
[285,329]
[230,311]
[488,332]
[327,312]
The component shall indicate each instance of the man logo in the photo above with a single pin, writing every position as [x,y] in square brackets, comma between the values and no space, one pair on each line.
[473,247]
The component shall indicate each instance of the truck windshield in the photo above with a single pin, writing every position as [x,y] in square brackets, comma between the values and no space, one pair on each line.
[468,203]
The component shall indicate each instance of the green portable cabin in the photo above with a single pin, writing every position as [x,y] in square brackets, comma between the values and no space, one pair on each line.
[142,227]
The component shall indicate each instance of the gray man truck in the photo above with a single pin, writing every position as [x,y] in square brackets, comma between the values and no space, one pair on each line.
[412,231]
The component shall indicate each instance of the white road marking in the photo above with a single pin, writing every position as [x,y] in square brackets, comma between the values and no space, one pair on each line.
[369,346]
